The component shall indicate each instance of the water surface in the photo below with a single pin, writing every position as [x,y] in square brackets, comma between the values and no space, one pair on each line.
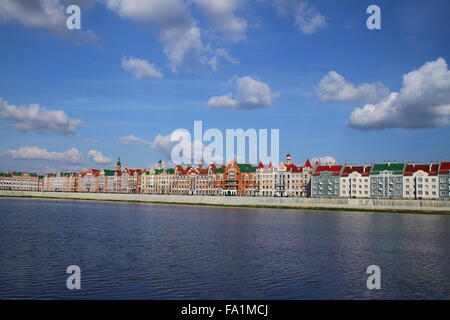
[142,251]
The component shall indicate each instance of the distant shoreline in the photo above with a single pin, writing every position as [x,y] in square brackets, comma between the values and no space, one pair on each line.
[354,205]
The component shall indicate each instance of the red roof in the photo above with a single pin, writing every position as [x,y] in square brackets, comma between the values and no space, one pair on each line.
[445,168]
[307,164]
[260,166]
[293,168]
[363,170]
[431,169]
[334,169]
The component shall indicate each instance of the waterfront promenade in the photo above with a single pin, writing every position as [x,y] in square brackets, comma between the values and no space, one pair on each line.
[385,205]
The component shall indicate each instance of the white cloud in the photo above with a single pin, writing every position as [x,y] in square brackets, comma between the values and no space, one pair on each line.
[324,160]
[178,33]
[306,16]
[140,68]
[222,54]
[132,139]
[164,144]
[49,15]
[251,94]
[37,118]
[36,153]
[181,139]
[222,14]
[334,87]
[423,102]
[98,157]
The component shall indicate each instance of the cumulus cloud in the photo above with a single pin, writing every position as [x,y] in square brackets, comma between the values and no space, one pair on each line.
[48,15]
[98,157]
[140,68]
[334,87]
[306,16]
[36,153]
[178,33]
[37,118]
[251,94]
[164,144]
[222,14]
[422,102]
[324,160]
[181,140]
[132,139]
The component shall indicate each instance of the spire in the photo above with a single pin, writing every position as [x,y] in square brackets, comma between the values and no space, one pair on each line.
[118,165]
[307,164]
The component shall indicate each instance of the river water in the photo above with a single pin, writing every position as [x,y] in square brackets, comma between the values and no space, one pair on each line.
[143,251]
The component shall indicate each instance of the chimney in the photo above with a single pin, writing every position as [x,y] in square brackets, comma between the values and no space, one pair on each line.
[430,166]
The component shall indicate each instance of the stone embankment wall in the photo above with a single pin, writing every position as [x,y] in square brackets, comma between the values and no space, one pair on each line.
[364,204]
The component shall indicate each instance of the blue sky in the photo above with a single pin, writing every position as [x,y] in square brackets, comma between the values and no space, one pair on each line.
[42,63]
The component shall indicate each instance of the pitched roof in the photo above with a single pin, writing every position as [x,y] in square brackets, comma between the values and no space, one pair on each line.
[444,168]
[308,164]
[431,169]
[363,170]
[335,170]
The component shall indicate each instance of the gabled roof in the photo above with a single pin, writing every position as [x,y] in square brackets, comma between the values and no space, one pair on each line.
[363,170]
[431,169]
[335,170]
[307,164]
[444,168]
[260,166]
[395,168]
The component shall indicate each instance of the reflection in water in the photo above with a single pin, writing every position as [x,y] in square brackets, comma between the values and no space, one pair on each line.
[140,251]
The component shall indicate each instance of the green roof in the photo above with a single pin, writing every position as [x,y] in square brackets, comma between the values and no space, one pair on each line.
[4,174]
[220,170]
[245,167]
[109,172]
[395,168]
[170,171]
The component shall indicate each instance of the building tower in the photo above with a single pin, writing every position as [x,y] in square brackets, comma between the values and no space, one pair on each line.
[288,159]
[118,165]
